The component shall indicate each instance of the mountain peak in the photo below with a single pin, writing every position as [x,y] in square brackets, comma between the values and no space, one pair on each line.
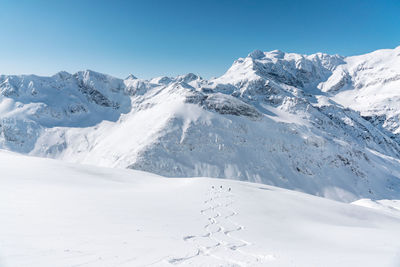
[187,78]
[131,77]
[257,54]
[276,54]
[62,75]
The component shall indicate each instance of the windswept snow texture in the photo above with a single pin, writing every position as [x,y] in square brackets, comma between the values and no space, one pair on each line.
[322,124]
[61,214]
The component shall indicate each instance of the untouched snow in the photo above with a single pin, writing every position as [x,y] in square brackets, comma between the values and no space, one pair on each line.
[387,205]
[62,214]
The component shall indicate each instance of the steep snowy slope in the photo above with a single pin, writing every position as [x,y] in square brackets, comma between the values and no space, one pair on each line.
[62,214]
[273,118]
[370,84]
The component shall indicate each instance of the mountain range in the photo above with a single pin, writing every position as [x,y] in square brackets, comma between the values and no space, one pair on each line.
[322,124]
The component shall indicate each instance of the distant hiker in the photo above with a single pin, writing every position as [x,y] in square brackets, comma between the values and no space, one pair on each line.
[220,187]
[212,187]
[229,189]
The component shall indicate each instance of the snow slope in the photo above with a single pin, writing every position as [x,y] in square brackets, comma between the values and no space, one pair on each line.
[370,84]
[54,213]
[295,121]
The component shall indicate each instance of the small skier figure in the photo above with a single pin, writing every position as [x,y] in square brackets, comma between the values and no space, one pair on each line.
[220,187]
[229,189]
[212,187]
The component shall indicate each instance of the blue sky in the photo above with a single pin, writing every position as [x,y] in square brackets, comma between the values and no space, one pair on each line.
[153,38]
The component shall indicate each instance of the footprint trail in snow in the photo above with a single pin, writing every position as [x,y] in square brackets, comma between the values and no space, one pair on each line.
[219,240]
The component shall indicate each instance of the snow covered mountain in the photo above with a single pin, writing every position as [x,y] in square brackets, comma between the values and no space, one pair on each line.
[62,214]
[321,124]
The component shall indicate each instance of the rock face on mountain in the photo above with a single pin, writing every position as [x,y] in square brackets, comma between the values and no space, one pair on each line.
[326,125]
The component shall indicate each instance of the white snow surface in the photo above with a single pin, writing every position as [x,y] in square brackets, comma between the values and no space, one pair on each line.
[61,214]
[391,206]
[321,124]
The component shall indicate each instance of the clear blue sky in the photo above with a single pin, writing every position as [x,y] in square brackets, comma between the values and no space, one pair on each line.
[152,38]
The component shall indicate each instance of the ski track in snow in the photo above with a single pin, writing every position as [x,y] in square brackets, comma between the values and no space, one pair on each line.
[222,245]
